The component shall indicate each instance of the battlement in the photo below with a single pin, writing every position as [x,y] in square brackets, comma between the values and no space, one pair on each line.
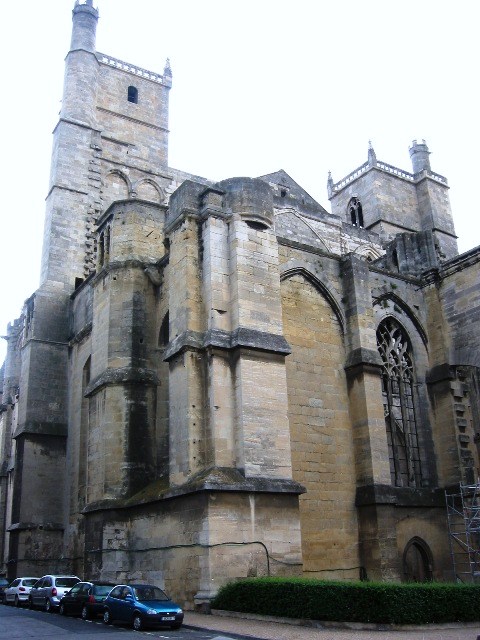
[387,168]
[134,70]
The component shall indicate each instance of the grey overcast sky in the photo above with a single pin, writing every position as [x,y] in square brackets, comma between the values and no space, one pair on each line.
[258,85]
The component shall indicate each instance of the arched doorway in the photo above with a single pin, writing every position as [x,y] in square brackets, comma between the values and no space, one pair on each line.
[417,561]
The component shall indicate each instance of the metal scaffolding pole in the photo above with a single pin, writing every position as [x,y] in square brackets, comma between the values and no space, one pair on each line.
[463,517]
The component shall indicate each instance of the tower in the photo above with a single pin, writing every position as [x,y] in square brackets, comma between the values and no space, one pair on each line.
[111,141]
[387,200]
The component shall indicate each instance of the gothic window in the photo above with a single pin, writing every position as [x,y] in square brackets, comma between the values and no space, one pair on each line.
[356,213]
[133,94]
[398,386]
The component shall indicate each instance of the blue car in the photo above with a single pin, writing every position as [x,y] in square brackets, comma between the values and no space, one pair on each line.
[141,605]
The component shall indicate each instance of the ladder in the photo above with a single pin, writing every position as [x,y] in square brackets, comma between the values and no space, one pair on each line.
[463,517]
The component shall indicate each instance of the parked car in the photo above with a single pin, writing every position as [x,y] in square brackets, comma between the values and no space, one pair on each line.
[49,589]
[141,605]
[85,599]
[19,590]
[3,585]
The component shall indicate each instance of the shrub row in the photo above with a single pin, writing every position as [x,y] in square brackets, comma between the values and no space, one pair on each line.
[388,603]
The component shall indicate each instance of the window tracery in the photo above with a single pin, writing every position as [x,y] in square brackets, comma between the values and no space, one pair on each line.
[398,389]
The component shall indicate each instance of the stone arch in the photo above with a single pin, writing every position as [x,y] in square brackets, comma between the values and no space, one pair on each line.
[417,561]
[115,186]
[368,252]
[323,288]
[147,189]
[384,306]
[298,215]
[416,336]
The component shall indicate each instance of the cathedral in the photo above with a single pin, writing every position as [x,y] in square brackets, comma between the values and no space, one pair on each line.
[217,380]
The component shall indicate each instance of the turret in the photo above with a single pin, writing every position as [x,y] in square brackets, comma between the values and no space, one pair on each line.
[419,155]
[85,19]
[81,66]
[394,201]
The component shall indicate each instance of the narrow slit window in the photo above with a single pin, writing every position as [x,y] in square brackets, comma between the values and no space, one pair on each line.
[132,94]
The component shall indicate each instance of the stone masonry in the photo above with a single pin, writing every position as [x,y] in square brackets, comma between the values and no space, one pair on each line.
[225,379]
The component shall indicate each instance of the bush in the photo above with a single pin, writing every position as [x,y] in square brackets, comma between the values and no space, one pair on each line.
[414,603]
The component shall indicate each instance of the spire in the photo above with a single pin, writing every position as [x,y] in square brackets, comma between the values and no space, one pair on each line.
[167,73]
[330,184]
[372,156]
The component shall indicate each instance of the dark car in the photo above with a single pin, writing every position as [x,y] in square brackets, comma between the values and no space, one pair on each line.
[85,599]
[3,585]
[141,605]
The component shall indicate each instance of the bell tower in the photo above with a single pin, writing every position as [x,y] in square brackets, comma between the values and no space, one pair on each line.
[68,202]
[394,201]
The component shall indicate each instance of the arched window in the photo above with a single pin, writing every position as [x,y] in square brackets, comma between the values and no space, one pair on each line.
[398,379]
[356,213]
[133,94]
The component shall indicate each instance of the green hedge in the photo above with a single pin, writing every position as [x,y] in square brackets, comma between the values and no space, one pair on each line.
[414,603]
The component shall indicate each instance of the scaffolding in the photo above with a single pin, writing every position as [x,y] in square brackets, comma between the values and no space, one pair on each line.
[463,517]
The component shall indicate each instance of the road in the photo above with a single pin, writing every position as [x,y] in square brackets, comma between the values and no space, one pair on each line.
[24,624]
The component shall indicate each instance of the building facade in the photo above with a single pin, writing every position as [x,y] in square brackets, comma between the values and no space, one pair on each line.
[221,380]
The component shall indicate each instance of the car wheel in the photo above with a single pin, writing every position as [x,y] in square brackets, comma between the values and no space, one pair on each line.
[62,610]
[137,622]
[16,602]
[107,617]
[48,606]
[30,604]
[85,613]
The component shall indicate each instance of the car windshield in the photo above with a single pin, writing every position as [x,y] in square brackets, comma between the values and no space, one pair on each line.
[29,582]
[65,582]
[146,594]
[102,589]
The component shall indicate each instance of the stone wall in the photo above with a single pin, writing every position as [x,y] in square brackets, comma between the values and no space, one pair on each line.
[322,447]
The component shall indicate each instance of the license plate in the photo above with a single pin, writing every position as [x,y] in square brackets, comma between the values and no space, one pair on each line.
[168,618]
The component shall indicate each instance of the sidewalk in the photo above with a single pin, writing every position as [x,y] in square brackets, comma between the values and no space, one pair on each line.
[231,625]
